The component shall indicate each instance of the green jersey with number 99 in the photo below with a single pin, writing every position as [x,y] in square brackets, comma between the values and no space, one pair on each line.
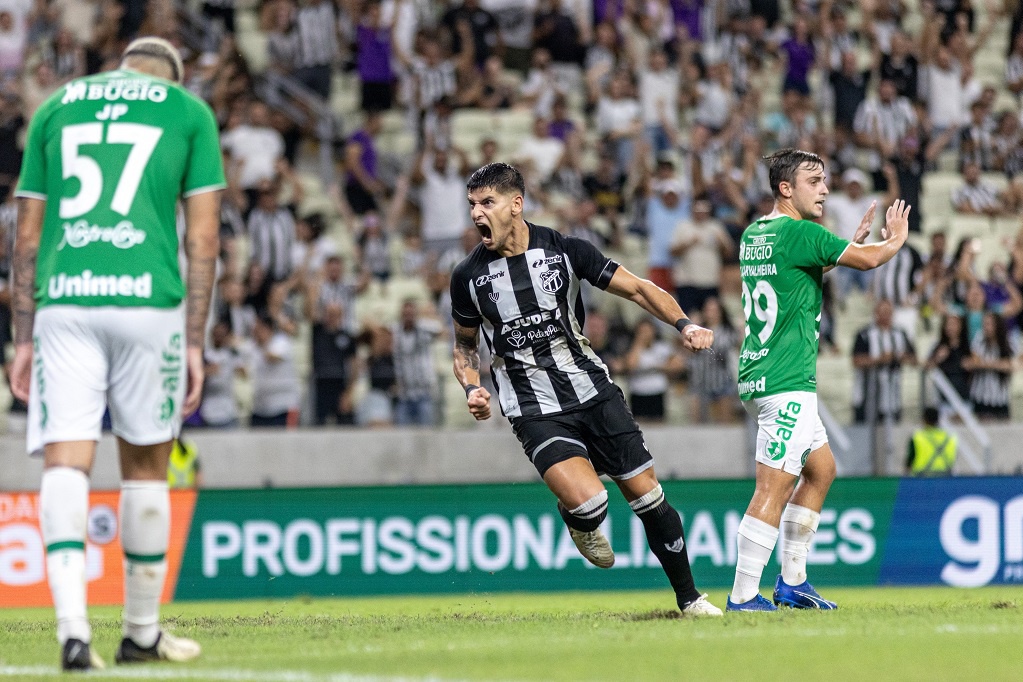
[111,154]
[782,264]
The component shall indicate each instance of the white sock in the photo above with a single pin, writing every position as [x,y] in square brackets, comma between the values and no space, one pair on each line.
[798,526]
[145,528]
[756,541]
[64,510]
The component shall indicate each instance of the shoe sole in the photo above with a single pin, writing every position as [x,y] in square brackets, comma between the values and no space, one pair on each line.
[795,605]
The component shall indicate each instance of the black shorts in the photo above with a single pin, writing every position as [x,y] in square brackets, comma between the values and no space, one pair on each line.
[647,406]
[603,431]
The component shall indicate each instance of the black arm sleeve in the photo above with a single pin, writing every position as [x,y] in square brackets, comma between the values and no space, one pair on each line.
[589,263]
[463,309]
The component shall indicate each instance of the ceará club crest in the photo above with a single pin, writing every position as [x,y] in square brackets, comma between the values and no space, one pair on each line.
[550,281]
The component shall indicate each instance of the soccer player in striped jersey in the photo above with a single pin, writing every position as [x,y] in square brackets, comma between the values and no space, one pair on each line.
[521,287]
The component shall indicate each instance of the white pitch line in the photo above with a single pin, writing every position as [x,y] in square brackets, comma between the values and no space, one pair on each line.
[219,675]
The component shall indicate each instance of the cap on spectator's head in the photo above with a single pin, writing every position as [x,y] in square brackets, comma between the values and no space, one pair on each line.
[157,48]
[852,175]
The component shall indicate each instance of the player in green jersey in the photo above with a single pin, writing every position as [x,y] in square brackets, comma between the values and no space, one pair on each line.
[100,321]
[783,257]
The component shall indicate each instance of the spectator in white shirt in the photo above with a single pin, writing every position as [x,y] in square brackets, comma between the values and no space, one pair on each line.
[540,151]
[618,119]
[699,246]
[659,100]
[255,147]
[843,212]
[13,36]
[541,85]
[440,176]
[949,90]
[715,98]
[275,385]
[223,361]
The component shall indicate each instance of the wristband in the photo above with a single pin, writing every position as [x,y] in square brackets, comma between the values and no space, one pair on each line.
[469,389]
[682,323]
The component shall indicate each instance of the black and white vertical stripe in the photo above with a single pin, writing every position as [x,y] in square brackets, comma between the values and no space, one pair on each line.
[413,362]
[882,385]
[271,234]
[316,28]
[341,293]
[890,121]
[710,373]
[979,197]
[896,279]
[532,319]
[435,82]
[989,387]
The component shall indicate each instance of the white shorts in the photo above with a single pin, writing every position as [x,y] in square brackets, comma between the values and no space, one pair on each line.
[788,429]
[132,359]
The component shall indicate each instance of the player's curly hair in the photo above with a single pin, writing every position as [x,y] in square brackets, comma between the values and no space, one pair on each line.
[502,177]
[783,164]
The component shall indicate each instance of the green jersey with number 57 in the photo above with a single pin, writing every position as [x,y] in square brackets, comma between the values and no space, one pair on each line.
[782,264]
[111,154]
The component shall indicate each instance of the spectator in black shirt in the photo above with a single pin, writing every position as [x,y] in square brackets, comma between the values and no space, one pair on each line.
[333,349]
[850,86]
[558,34]
[486,37]
[900,66]
[606,187]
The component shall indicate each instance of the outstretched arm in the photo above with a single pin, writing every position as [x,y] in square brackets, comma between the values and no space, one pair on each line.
[661,305]
[863,231]
[893,234]
[467,371]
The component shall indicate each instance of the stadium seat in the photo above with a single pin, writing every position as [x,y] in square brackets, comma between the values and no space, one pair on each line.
[252,46]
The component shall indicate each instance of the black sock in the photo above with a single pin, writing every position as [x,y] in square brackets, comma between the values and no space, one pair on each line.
[667,540]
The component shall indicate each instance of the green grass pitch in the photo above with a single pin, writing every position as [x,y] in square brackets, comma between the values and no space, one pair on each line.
[877,634]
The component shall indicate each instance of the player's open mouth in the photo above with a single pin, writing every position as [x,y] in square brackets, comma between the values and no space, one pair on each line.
[484,231]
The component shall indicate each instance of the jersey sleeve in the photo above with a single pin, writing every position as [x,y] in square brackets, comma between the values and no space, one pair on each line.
[811,245]
[589,263]
[32,182]
[463,309]
[205,171]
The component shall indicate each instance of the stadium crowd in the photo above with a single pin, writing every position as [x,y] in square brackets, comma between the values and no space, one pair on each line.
[646,121]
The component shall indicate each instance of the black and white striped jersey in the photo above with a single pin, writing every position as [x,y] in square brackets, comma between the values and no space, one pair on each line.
[531,313]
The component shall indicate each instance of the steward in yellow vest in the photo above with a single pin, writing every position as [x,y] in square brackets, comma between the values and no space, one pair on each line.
[932,450]
[183,466]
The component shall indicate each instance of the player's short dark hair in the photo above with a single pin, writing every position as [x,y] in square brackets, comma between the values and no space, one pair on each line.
[783,164]
[502,177]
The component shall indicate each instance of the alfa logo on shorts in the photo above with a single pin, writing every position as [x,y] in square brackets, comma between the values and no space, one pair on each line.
[170,371]
[775,450]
